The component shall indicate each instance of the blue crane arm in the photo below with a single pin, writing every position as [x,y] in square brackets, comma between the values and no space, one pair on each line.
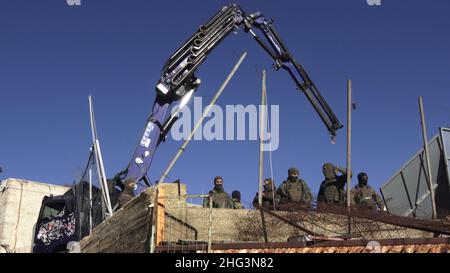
[178,80]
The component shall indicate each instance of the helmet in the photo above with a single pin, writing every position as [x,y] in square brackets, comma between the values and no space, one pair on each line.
[129,185]
[268,184]
[268,181]
[292,171]
[328,171]
[236,195]
[363,178]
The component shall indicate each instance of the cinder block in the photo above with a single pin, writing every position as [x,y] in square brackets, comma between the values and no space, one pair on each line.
[20,203]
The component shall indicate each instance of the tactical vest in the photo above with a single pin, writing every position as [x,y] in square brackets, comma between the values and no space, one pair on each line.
[295,191]
[267,199]
[365,197]
[331,192]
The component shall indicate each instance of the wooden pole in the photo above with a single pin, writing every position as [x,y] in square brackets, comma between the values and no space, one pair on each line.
[160,216]
[263,221]
[262,122]
[205,113]
[210,223]
[262,126]
[427,158]
[154,220]
[349,151]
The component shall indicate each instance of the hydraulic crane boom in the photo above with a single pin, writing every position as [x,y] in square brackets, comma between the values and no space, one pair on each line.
[178,81]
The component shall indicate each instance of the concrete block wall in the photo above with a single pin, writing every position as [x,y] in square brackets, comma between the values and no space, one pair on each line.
[129,229]
[246,226]
[230,225]
[20,203]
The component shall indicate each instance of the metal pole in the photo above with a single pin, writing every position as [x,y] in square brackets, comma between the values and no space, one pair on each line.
[205,113]
[186,196]
[99,160]
[94,147]
[103,179]
[90,200]
[210,223]
[349,139]
[261,137]
[427,158]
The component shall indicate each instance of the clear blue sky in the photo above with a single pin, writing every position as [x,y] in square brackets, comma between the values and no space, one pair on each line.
[53,56]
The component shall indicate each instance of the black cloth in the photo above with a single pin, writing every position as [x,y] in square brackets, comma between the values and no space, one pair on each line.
[53,234]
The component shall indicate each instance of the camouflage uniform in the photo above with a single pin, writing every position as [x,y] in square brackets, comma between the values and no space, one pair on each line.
[220,198]
[268,195]
[294,190]
[332,188]
[127,193]
[365,197]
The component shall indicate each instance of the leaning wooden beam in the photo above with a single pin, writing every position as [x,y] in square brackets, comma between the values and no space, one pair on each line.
[262,116]
[205,113]
[287,221]
[432,226]
[262,126]
[427,159]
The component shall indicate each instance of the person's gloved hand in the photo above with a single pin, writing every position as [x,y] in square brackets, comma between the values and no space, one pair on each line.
[339,169]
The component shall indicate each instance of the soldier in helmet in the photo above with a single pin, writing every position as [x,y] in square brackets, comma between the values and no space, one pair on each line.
[127,193]
[332,188]
[294,190]
[269,200]
[236,198]
[365,197]
[220,198]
